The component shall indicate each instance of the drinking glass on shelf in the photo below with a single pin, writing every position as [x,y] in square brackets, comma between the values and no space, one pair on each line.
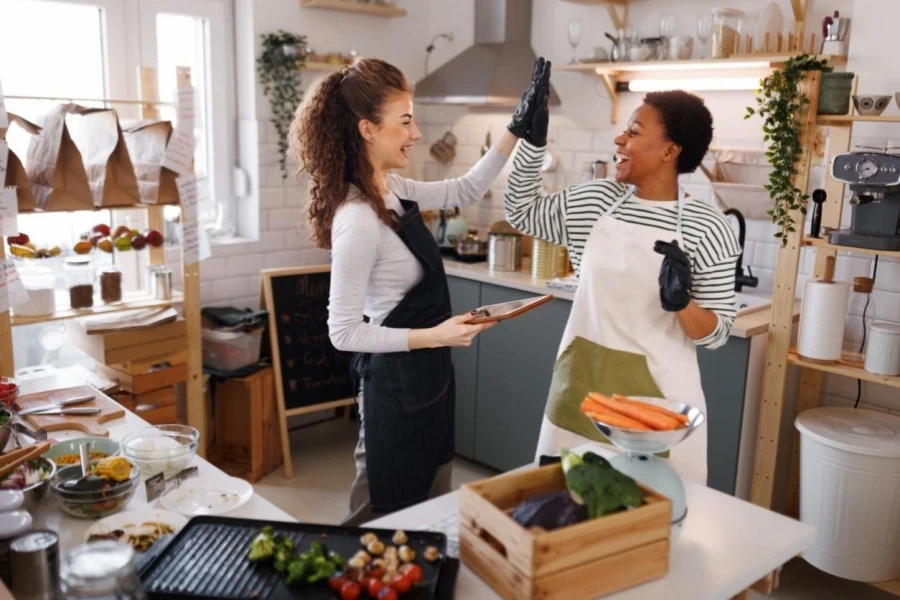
[704,23]
[666,30]
[574,36]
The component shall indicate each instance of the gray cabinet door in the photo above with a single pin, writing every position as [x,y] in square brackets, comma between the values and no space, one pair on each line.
[723,374]
[515,364]
[465,295]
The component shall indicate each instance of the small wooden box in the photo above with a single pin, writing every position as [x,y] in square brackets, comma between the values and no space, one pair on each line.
[579,562]
[130,345]
[248,434]
[141,383]
[158,407]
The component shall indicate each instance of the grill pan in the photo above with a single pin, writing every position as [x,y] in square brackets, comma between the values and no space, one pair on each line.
[207,559]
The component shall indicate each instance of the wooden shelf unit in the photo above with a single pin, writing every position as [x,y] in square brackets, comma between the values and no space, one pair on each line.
[823,243]
[844,370]
[846,119]
[190,298]
[63,314]
[611,73]
[378,10]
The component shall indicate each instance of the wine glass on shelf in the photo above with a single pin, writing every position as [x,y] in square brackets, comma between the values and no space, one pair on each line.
[704,24]
[666,30]
[574,36]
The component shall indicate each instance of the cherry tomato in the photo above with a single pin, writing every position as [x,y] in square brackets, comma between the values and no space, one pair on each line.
[387,594]
[375,570]
[336,582]
[350,591]
[401,583]
[375,586]
[413,572]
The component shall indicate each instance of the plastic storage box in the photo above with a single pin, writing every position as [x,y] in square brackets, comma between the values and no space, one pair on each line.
[225,350]
[849,486]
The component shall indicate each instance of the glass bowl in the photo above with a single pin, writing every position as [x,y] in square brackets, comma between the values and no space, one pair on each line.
[93,504]
[166,449]
[9,390]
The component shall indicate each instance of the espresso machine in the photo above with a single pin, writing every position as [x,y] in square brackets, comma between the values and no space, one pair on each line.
[874,179]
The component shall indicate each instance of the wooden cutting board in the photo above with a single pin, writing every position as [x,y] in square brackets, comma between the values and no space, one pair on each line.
[91,425]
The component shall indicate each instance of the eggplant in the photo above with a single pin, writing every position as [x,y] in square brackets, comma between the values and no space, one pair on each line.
[550,511]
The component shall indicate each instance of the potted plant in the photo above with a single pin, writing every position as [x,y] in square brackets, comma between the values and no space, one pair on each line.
[279,67]
[782,106]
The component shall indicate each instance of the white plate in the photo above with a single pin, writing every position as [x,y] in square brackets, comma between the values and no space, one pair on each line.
[132,522]
[771,21]
[208,496]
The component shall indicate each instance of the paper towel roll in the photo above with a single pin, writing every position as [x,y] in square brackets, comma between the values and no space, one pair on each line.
[822,320]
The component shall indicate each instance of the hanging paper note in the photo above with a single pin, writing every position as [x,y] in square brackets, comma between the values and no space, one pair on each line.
[12,292]
[180,152]
[9,211]
[4,157]
[190,231]
[4,118]
[185,108]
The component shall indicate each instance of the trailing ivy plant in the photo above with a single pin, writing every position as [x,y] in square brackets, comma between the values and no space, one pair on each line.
[279,67]
[782,106]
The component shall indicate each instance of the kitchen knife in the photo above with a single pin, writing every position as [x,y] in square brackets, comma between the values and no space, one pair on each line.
[55,405]
[82,411]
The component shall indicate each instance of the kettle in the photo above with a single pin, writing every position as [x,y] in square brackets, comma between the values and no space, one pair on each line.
[449,226]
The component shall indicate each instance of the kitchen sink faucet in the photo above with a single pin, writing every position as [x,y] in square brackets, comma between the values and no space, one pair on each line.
[741,280]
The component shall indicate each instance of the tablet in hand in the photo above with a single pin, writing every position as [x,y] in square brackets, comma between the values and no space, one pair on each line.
[508,310]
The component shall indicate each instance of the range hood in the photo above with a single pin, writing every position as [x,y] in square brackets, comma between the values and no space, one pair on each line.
[496,70]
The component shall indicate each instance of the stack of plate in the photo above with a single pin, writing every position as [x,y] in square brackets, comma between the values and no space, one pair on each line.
[548,260]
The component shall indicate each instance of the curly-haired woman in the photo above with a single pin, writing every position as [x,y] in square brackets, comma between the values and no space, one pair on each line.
[656,272]
[389,301]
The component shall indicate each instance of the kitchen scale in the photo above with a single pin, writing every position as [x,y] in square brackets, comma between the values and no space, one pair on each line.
[874,179]
[639,460]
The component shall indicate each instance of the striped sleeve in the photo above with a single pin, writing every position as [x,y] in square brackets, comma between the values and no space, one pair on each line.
[715,261]
[528,209]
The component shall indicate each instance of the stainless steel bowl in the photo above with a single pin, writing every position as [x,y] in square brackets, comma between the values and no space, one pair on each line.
[654,442]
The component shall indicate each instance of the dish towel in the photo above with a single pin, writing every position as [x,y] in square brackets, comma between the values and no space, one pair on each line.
[568,283]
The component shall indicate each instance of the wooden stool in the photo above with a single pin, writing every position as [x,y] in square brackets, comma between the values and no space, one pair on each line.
[247,435]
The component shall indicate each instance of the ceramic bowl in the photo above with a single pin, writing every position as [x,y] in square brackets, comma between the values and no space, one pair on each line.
[871,105]
[69,450]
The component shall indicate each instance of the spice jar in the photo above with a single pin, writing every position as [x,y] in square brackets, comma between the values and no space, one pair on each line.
[111,285]
[80,281]
[726,31]
[101,570]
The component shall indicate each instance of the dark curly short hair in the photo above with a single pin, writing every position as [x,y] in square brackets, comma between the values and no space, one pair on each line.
[688,123]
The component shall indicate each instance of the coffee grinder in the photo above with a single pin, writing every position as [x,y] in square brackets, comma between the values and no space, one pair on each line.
[874,179]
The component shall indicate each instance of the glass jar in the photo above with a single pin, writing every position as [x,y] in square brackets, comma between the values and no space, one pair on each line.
[80,281]
[40,285]
[725,37]
[103,570]
[861,302]
[111,285]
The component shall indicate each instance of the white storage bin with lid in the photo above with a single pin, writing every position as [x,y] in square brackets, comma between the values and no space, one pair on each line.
[850,491]
[883,353]
[231,350]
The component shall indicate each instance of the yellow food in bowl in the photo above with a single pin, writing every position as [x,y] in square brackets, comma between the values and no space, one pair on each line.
[74,459]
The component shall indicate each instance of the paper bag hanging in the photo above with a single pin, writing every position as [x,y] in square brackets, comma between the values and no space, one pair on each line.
[97,135]
[146,143]
[15,170]
[54,167]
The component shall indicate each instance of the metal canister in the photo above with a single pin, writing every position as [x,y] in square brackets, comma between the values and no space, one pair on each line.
[161,283]
[505,251]
[34,562]
[548,260]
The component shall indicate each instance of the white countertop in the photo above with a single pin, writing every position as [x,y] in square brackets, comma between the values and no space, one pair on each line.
[745,326]
[725,546]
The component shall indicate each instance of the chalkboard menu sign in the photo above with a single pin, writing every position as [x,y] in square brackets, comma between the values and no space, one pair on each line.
[308,369]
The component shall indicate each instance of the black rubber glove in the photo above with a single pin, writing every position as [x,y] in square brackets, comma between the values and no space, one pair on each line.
[674,276]
[532,117]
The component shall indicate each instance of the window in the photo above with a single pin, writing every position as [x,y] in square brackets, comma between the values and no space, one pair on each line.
[98,47]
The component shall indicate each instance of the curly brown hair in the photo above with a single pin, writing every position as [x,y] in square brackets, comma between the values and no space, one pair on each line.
[326,140]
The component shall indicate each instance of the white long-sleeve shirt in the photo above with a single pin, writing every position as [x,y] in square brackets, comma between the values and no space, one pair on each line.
[372,269]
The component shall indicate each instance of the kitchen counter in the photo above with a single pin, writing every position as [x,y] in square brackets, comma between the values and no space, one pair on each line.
[724,547]
[745,326]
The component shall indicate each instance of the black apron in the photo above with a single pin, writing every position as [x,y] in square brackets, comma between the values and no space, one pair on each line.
[408,397]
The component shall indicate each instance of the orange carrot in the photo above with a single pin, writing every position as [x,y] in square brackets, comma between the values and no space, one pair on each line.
[650,418]
[597,412]
[663,411]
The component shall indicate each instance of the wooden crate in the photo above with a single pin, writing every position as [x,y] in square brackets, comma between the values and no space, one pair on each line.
[132,345]
[139,367]
[579,562]
[145,382]
[158,407]
[248,436]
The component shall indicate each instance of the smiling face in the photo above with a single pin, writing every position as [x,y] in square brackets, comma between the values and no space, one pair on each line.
[389,142]
[643,150]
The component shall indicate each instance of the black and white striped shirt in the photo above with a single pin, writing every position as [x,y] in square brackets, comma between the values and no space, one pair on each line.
[567,217]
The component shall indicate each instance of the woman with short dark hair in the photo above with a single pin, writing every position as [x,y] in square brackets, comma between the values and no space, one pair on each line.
[656,272]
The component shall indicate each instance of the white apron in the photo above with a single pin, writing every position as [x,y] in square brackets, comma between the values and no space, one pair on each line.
[619,340]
